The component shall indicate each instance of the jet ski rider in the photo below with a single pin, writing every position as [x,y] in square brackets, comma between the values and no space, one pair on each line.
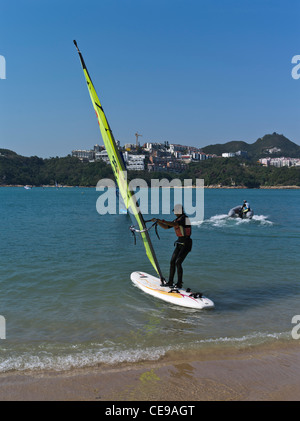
[245,208]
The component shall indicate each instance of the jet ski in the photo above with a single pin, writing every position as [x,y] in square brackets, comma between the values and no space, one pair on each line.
[237,213]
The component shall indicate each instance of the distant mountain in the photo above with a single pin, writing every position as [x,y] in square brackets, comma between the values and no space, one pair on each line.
[273,145]
[8,153]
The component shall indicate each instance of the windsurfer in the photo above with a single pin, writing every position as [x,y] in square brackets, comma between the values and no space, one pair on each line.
[183,230]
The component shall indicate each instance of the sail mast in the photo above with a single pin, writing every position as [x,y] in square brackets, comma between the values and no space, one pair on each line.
[119,167]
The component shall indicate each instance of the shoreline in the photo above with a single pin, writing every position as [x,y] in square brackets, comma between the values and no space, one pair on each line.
[259,373]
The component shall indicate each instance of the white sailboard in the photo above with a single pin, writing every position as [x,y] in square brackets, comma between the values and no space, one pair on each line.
[181,297]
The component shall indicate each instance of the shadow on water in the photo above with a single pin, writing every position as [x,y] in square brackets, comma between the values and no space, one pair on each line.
[238,299]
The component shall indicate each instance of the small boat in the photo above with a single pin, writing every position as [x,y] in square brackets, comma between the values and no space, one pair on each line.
[237,213]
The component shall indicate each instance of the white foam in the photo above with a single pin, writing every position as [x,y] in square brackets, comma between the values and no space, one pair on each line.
[256,337]
[216,220]
[262,219]
[98,354]
[224,220]
[87,358]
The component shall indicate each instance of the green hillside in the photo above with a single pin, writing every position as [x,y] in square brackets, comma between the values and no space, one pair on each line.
[287,148]
[233,146]
[19,170]
[230,172]
[259,149]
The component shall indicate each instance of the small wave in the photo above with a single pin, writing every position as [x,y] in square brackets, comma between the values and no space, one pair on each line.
[262,219]
[97,354]
[80,359]
[216,220]
[252,338]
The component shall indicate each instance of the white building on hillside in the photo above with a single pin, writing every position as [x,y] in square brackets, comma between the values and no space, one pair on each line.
[134,162]
[228,155]
[103,156]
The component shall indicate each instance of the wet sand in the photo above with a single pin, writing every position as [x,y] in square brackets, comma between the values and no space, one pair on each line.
[260,374]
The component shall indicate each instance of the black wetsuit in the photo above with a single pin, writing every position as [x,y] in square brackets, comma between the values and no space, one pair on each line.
[183,247]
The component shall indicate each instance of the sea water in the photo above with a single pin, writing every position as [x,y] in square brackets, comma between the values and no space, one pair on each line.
[66,295]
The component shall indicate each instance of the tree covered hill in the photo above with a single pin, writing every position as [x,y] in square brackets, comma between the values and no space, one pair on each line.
[233,172]
[19,170]
[278,144]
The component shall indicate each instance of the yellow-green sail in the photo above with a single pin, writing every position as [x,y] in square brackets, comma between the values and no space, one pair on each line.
[119,167]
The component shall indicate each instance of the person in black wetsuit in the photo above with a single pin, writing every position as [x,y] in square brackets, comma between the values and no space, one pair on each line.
[183,230]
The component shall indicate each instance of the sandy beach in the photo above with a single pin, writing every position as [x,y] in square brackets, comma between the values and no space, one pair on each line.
[268,373]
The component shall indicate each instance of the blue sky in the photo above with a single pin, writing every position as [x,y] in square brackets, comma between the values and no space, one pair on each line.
[194,72]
